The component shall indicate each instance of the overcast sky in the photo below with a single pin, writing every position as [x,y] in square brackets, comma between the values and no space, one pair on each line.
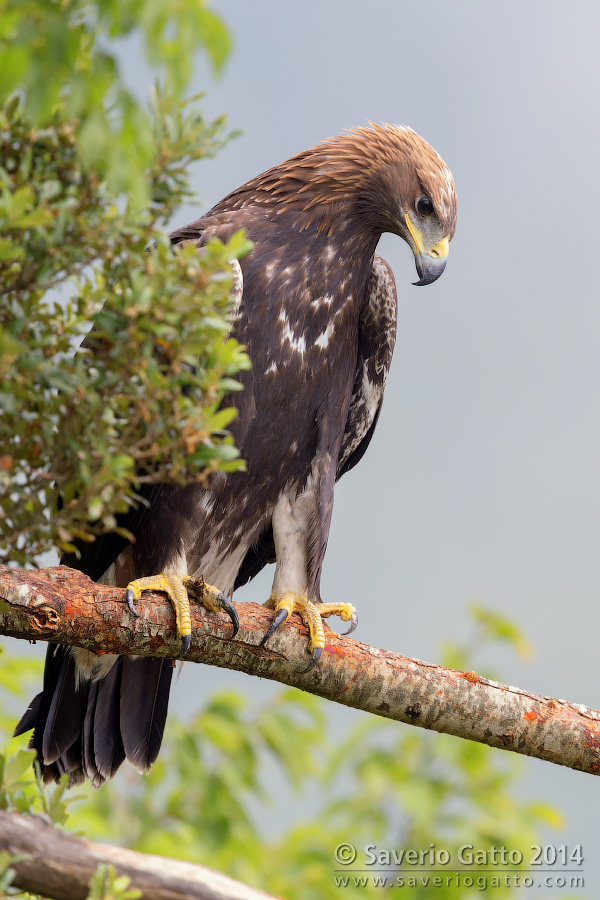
[482,480]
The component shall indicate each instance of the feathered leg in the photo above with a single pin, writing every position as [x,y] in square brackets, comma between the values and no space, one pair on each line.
[296,530]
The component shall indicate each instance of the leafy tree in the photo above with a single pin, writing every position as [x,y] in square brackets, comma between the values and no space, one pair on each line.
[61,54]
[81,427]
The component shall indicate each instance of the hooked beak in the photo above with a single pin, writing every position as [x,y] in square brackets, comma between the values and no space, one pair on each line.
[431,262]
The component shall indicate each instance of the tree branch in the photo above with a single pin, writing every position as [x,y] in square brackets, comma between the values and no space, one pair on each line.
[63,605]
[60,866]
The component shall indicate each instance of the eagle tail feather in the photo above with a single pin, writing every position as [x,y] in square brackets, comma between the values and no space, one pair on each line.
[109,752]
[67,710]
[144,701]
[30,716]
[86,729]
[89,750]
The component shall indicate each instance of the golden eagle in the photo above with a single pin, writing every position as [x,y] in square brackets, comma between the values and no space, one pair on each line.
[316,310]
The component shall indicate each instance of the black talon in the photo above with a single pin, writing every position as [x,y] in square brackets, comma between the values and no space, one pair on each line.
[353,623]
[129,601]
[228,607]
[316,656]
[278,620]
[186,640]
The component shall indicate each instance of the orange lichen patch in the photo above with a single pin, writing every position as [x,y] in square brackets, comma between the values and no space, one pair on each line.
[534,716]
[472,677]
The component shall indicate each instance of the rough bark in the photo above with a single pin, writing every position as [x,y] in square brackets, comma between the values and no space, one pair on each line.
[60,866]
[63,605]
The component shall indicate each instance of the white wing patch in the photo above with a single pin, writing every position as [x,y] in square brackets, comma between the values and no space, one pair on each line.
[323,340]
[237,288]
[297,342]
[326,300]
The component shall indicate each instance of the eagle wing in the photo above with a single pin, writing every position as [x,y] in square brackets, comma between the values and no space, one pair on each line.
[376,339]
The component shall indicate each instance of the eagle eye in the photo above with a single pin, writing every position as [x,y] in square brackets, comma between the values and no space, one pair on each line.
[424,206]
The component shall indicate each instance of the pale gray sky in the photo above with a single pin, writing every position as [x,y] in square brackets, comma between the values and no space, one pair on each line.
[482,481]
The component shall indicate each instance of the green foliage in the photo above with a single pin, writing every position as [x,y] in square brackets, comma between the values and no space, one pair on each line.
[394,786]
[81,427]
[19,677]
[88,179]
[105,885]
[490,626]
[61,53]
[20,786]
[7,873]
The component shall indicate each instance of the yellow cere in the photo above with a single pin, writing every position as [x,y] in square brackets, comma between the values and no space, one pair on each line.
[440,251]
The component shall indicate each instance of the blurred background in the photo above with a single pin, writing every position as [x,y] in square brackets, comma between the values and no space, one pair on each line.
[481,484]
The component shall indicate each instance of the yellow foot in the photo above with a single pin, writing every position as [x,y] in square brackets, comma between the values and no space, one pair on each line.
[175,586]
[311,614]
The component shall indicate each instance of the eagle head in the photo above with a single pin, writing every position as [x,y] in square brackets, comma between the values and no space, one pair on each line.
[359,184]
[408,189]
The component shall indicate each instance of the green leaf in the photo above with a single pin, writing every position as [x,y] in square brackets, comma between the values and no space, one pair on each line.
[16,766]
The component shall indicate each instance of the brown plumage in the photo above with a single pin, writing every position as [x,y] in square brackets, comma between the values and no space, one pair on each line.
[317,311]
